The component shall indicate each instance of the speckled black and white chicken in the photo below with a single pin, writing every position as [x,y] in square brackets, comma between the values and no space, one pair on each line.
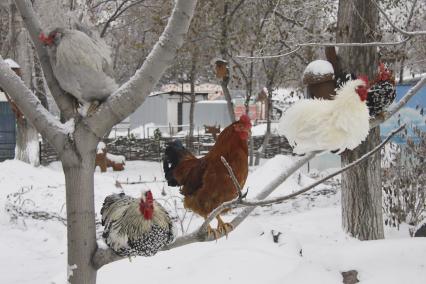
[81,64]
[382,91]
[135,226]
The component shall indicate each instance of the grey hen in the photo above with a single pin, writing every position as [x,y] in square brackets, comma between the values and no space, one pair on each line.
[82,65]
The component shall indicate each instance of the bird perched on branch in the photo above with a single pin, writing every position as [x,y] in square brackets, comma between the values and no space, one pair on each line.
[135,226]
[205,182]
[82,65]
[382,91]
[333,125]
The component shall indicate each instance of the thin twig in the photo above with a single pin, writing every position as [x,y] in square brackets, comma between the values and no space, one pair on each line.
[232,175]
[325,44]
[401,31]
[311,186]
[270,56]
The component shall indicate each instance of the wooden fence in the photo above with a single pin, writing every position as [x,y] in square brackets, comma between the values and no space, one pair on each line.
[152,149]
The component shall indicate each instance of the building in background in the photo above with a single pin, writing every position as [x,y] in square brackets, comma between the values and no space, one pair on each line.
[7,129]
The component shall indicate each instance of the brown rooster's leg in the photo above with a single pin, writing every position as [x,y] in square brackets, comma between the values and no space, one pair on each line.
[211,231]
[222,227]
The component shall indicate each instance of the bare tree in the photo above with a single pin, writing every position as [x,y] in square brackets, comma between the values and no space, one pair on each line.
[76,140]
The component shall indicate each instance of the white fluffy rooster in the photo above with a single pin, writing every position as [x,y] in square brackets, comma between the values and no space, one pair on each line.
[328,125]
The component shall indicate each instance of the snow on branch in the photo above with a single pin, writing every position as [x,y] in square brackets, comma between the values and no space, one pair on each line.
[30,105]
[132,94]
[397,106]
[340,44]
[401,31]
[32,24]
[105,255]
[408,36]
[311,186]
[241,202]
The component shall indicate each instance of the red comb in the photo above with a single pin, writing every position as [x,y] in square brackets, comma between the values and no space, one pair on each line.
[42,37]
[364,78]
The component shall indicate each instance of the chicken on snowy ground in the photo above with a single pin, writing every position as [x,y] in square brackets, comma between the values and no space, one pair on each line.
[328,125]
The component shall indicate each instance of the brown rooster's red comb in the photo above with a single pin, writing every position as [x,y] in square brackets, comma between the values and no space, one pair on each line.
[245,119]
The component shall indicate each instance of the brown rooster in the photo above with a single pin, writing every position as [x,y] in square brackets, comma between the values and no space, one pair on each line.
[205,182]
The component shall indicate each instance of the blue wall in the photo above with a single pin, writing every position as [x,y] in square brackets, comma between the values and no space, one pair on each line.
[7,132]
[408,114]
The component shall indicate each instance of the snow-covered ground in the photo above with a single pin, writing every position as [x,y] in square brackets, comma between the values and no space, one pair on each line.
[312,247]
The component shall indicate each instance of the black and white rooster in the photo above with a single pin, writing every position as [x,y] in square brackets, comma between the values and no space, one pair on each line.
[381,93]
[135,226]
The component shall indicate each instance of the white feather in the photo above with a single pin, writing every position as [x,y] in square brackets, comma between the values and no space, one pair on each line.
[82,66]
[316,125]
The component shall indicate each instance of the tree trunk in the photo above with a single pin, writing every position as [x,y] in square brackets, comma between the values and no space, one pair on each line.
[268,112]
[224,53]
[27,146]
[192,105]
[80,218]
[362,215]
[361,185]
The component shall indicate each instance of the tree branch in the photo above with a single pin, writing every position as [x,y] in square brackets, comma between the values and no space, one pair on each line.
[63,100]
[401,31]
[105,256]
[340,44]
[396,107]
[311,186]
[118,12]
[30,105]
[133,93]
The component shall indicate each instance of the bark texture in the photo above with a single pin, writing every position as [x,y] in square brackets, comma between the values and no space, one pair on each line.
[76,140]
[361,186]
[27,147]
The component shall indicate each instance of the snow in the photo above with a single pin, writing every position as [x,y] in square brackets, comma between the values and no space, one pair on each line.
[311,249]
[3,97]
[320,67]
[119,159]
[12,63]
[69,126]
[260,129]
[100,148]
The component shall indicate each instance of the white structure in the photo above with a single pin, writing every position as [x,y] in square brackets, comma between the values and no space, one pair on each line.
[164,110]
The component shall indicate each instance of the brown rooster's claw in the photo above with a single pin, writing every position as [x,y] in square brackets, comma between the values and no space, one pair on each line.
[225,228]
[211,231]
[222,227]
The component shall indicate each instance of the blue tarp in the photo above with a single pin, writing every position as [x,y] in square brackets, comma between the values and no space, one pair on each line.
[410,114]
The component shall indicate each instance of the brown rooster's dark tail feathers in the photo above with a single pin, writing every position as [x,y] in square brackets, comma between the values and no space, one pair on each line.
[172,156]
